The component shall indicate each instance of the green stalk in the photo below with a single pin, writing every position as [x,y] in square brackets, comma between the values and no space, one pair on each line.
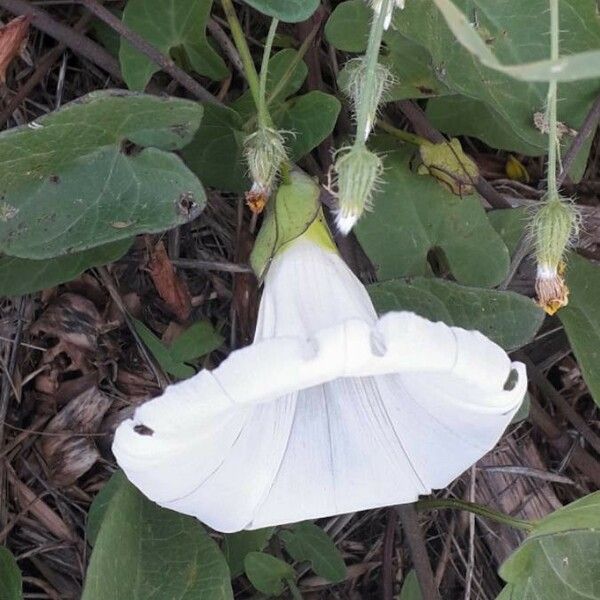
[264,119]
[239,39]
[372,56]
[482,511]
[552,102]
[405,136]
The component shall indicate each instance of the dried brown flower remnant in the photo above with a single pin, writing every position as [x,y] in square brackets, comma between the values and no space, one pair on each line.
[13,37]
[256,199]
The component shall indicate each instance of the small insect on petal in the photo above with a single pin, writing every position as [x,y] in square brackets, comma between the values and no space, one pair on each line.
[13,38]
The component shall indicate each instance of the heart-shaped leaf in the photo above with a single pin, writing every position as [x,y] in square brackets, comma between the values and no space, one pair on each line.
[236,546]
[308,542]
[581,319]
[97,171]
[510,319]
[23,276]
[176,27]
[413,214]
[215,154]
[509,32]
[267,573]
[309,119]
[143,551]
[560,559]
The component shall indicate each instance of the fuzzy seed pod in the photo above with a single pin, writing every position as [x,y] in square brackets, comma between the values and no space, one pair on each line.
[358,171]
[553,228]
[264,151]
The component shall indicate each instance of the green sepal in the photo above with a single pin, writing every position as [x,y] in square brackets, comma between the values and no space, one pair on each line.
[294,211]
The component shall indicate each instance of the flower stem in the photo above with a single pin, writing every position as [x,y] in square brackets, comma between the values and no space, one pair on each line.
[372,56]
[482,511]
[264,119]
[241,44]
[552,103]
[405,136]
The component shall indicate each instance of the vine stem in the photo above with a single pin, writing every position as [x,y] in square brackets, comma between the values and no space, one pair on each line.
[239,39]
[405,136]
[472,507]
[372,56]
[264,119]
[552,103]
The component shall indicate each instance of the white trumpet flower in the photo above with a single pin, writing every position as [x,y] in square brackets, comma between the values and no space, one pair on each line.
[331,410]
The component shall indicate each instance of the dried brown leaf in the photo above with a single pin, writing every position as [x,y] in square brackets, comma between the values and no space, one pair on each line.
[28,500]
[170,287]
[70,455]
[69,328]
[13,38]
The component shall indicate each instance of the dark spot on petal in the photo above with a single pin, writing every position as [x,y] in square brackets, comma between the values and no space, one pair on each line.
[143,430]
[511,381]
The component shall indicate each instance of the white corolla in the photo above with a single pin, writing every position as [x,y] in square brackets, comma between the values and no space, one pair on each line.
[331,410]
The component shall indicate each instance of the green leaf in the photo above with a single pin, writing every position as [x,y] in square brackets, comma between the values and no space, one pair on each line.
[285,78]
[413,214]
[516,32]
[288,216]
[583,65]
[11,583]
[509,319]
[510,223]
[199,339]
[267,573]
[581,319]
[70,183]
[176,27]
[461,115]
[347,28]
[100,505]
[309,119]
[215,154]
[410,63]
[308,542]
[410,587]
[20,276]
[143,551]
[560,559]
[290,11]
[236,546]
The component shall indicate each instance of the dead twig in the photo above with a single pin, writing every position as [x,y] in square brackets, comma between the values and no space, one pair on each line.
[586,130]
[418,551]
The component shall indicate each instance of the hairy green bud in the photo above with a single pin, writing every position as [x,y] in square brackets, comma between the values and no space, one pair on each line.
[265,152]
[358,172]
[553,228]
